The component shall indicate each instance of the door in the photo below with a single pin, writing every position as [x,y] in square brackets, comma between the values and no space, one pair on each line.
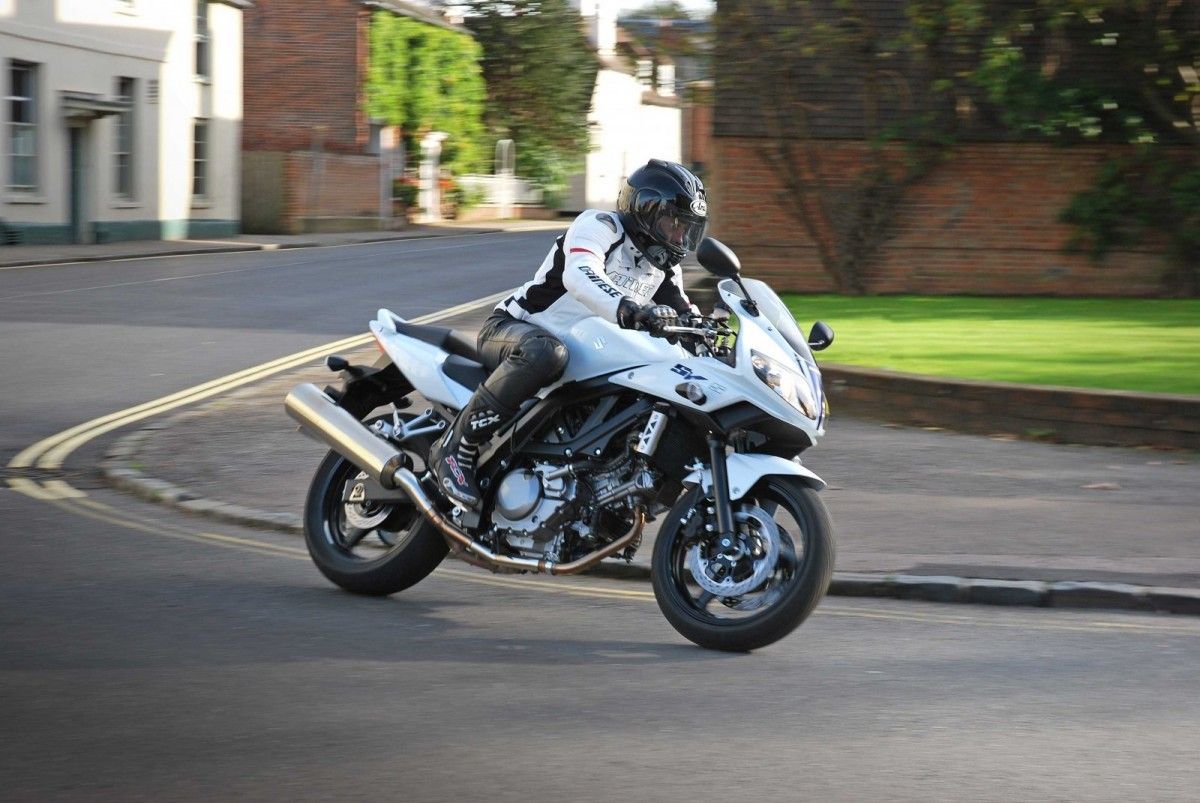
[75,189]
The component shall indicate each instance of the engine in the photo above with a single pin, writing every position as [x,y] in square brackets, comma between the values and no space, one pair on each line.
[561,512]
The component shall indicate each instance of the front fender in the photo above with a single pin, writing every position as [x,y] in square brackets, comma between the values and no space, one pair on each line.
[745,470]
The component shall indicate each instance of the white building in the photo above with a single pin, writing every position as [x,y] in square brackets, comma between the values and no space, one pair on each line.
[635,115]
[121,119]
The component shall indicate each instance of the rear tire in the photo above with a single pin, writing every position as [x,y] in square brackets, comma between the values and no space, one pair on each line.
[786,599]
[404,550]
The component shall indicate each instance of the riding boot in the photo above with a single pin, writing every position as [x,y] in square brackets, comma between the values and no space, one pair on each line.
[454,456]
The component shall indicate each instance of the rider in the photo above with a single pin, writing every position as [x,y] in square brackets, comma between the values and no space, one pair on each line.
[623,267]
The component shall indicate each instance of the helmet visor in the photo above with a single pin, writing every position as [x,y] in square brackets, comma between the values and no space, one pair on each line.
[679,231]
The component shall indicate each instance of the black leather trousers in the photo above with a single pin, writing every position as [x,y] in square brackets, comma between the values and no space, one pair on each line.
[522,359]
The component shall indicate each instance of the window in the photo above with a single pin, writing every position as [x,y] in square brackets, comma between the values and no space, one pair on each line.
[22,126]
[200,159]
[202,39]
[123,150]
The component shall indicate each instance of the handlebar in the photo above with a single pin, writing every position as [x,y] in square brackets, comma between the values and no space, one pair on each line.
[704,336]
[684,330]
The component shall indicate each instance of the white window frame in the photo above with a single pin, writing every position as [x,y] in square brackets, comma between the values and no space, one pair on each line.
[11,100]
[203,53]
[125,124]
[200,159]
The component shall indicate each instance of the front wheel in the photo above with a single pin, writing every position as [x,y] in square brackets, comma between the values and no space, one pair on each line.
[745,592]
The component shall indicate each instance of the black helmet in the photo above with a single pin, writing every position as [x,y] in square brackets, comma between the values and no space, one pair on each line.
[663,209]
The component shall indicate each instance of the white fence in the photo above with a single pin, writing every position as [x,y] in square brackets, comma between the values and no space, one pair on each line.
[502,190]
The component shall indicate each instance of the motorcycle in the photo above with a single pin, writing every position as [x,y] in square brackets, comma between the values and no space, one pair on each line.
[703,422]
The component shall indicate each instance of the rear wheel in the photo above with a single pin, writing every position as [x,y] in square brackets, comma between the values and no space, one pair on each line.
[368,548]
[753,589]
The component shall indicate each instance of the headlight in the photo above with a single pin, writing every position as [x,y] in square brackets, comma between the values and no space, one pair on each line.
[786,382]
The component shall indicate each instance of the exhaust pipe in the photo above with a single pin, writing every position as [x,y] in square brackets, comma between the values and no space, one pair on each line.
[460,541]
[318,414]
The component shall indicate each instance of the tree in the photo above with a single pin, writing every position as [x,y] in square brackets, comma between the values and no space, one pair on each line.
[1120,71]
[425,78]
[888,77]
[1097,70]
[898,77]
[540,72]
[667,27]
[659,10]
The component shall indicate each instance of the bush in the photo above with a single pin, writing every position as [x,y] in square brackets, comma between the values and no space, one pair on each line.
[1133,196]
[405,191]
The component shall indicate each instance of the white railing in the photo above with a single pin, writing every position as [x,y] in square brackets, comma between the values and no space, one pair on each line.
[502,190]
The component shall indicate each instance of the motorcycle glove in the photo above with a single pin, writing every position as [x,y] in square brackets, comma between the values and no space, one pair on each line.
[648,318]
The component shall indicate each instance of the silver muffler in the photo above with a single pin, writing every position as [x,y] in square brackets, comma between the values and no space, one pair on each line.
[318,414]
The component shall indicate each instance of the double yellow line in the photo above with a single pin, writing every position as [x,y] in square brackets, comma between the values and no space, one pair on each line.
[49,454]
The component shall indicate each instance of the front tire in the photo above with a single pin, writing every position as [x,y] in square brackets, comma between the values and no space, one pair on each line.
[372,550]
[776,606]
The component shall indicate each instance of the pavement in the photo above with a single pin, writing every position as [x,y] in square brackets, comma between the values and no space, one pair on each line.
[14,256]
[918,513]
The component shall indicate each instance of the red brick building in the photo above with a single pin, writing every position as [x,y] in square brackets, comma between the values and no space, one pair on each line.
[311,158]
[983,221]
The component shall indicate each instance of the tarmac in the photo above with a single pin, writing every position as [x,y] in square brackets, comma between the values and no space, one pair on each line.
[920,514]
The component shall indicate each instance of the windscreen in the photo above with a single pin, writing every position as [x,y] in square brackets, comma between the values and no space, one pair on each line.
[774,310]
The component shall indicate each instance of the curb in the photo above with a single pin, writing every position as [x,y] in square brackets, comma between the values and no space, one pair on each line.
[68,260]
[118,470]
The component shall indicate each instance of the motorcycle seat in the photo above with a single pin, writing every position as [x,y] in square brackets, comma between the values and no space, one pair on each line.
[467,373]
[444,338]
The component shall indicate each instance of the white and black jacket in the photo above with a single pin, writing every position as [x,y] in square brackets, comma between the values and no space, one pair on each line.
[588,271]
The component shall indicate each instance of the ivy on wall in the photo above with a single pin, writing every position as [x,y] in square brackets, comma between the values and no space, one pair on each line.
[424,78]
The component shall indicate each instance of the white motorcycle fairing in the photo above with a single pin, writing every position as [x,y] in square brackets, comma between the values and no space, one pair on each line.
[421,363]
[660,369]
[745,470]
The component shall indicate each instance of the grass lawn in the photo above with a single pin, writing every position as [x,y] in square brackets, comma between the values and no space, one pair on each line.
[1118,344]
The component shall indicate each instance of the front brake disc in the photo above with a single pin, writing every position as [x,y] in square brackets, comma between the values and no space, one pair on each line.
[748,516]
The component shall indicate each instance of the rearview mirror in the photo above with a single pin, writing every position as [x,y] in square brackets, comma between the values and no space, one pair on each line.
[718,259]
[820,337]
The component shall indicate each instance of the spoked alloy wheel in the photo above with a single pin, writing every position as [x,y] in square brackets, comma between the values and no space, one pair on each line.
[374,548]
[753,589]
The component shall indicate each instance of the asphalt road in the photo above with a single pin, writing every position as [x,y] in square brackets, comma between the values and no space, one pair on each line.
[86,339]
[166,661]
[149,656]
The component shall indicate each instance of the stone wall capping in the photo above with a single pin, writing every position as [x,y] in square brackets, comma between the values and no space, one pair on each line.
[1070,415]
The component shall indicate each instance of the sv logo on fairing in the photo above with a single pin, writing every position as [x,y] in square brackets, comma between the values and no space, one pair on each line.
[683,371]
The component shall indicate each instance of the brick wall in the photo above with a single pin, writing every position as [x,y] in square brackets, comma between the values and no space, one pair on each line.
[984,222]
[299,191]
[697,135]
[304,63]
[340,187]
[1101,417]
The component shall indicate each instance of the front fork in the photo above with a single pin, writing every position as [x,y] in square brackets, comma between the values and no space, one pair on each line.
[720,490]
